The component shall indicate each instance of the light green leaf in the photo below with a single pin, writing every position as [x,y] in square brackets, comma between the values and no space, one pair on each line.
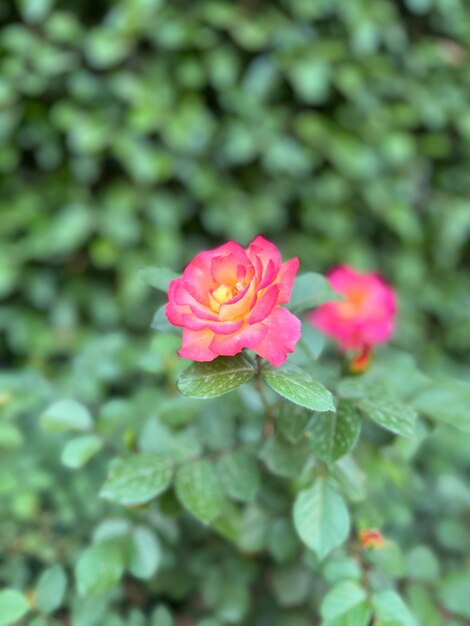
[299,387]
[310,290]
[162,617]
[80,450]
[447,401]
[137,479]
[333,435]
[311,341]
[146,554]
[390,608]
[158,277]
[358,615]
[422,564]
[380,405]
[454,593]
[99,568]
[321,517]
[240,475]
[292,420]
[13,606]
[198,489]
[341,599]
[66,415]
[50,589]
[208,380]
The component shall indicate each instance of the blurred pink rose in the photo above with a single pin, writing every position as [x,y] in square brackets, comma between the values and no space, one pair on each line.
[364,318]
[229,298]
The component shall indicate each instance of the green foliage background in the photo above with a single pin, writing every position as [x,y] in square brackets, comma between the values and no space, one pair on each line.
[136,133]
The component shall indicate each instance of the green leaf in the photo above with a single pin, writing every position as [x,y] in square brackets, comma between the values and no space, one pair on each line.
[380,405]
[162,617]
[422,564]
[158,277]
[358,615]
[137,479]
[299,387]
[310,290]
[390,608]
[66,415]
[146,554]
[240,475]
[80,450]
[13,606]
[454,593]
[333,435]
[198,489]
[311,341]
[292,420]
[447,402]
[284,458]
[208,380]
[292,585]
[341,599]
[99,568]
[321,517]
[50,589]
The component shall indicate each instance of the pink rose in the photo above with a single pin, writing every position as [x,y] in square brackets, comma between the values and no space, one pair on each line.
[229,298]
[364,318]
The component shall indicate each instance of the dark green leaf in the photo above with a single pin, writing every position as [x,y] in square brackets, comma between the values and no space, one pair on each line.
[332,435]
[208,380]
[292,420]
[380,405]
[284,458]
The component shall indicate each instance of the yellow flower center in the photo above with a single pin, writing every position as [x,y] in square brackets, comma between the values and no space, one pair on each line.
[223,294]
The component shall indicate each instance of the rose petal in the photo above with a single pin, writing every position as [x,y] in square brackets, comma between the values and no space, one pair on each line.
[224,269]
[283,332]
[266,251]
[222,328]
[265,304]
[229,345]
[285,279]
[196,345]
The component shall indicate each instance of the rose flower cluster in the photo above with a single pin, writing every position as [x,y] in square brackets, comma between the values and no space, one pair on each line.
[231,298]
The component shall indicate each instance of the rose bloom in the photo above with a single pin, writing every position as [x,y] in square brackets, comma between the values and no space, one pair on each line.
[366,315]
[229,298]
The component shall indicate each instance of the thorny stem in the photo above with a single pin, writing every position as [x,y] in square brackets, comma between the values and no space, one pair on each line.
[269,421]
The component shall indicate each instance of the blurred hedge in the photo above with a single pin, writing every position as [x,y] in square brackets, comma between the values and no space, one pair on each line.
[132,132]
[137,132]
